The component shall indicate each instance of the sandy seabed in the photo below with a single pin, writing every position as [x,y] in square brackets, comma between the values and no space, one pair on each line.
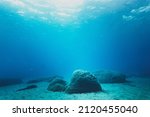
[136,89]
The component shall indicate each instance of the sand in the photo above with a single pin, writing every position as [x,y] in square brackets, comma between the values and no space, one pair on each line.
[135,89]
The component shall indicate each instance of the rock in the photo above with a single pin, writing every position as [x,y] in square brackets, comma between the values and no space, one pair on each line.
[10,81]
[27,88]
[83,82]
[58,81]
[110,77]
[55,77]
[57,85]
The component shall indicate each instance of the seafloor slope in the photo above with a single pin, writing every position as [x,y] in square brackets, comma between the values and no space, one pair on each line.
[136,89]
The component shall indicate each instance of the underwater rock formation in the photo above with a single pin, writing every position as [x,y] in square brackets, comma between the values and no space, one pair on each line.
[55,77]
[27,88]
[10,81]
[57,85]
[110,77]
[59,81]
[83,82]
[57,88]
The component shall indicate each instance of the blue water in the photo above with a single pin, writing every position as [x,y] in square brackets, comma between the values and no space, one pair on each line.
[118,41]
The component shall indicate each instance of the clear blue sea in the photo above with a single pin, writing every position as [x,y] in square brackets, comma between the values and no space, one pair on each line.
[51,37]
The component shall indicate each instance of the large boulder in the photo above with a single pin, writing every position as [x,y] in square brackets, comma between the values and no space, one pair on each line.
[83,82]
[9,81]
[57,85]
[110,77]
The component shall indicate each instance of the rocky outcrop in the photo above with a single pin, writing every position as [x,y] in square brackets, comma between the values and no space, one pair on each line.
[57,88]
[83,82]
[55,77]
[110,77]
[57,85]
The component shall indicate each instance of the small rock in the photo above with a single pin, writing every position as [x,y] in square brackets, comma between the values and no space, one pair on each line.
[58,81]
[27,88]
[57,85]
[55,77]
[110,77]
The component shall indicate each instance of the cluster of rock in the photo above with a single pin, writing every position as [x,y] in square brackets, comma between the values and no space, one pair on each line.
[81,82]
[85,82]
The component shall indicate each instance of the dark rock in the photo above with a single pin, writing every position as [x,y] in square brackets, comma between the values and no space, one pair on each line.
[55,77]
[27,88]
[83,82]
[57,85]
[59,81]
[110,77]
[10,81]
